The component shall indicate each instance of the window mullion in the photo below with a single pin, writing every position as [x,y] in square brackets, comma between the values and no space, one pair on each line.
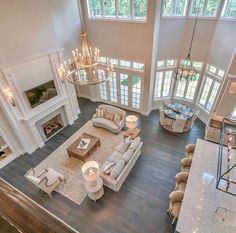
[185,90]
[173,7]
[204,7]
[131,9]
[162,83]
[102,7]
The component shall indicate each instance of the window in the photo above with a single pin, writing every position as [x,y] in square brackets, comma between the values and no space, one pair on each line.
[118,9]
[217,72]
[124,63]
[124,89]
[209,92]
[113,88]
[138,66]
[163,84]
[230,9]
[207,8]
[174,7]
[166,63]
[186,90]
[136,91]
[102,86]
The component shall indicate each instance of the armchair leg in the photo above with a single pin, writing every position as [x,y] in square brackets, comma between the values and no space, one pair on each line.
[173,221]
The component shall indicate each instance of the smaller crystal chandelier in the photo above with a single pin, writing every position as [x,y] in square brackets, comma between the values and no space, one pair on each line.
[84,68]
[185,70]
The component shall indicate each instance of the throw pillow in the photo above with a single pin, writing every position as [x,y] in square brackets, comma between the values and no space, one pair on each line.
[123,146]
[127,155]
[109,116]
[117,119]
[114,157]
[98,112]
[103,112]
[117,169]
[107,166]
[134,145]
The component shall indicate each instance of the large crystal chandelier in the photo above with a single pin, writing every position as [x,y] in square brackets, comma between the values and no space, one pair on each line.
[84,68]
[185,71]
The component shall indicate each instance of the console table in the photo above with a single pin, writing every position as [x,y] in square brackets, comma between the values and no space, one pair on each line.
[205,208]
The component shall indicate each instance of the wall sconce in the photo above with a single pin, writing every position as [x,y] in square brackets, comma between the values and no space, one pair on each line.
[10,97]
[61,72]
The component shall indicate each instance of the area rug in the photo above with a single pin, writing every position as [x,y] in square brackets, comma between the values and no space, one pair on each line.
[71,167]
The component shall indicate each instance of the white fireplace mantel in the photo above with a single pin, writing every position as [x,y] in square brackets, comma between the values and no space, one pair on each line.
[27,74]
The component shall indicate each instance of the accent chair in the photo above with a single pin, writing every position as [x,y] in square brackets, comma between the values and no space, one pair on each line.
[181,181]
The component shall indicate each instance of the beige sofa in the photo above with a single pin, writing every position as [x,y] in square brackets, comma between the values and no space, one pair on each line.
[116,183]
[108,124]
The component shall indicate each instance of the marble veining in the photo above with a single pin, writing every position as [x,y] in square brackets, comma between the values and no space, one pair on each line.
[206,209]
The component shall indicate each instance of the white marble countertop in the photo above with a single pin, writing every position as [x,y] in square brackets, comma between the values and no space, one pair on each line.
[206,209]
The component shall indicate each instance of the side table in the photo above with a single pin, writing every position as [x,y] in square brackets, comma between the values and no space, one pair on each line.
[95,192]
[133,135]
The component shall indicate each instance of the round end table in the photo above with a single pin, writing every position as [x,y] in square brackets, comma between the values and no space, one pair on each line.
[95,192]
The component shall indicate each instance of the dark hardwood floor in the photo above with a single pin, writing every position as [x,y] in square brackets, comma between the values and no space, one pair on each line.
[141,204]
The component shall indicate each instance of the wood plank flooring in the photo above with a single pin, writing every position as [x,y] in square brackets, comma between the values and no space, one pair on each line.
[141,204]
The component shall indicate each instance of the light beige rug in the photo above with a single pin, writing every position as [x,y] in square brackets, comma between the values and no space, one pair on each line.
[71,167]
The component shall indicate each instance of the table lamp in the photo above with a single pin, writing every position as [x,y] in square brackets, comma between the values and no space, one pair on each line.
[90,172]
[131,123]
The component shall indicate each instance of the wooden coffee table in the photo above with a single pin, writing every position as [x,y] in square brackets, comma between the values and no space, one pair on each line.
[82,154]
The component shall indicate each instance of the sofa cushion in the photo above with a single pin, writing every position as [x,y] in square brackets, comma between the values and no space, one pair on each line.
[117,119]
[107,166]
[127,155]
[116,170]
[114,157]
[123,146]
[135,143]
[33,179]
[104,123]
[109,116]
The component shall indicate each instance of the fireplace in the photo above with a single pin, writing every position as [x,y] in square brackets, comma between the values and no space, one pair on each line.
[52,124]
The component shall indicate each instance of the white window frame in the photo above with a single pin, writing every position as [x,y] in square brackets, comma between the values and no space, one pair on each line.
[116,17]
[215,78]
[201,15]
[223,11]
[172,15]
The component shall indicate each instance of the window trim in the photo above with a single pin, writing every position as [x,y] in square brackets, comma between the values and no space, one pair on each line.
[223,11]
[131,19]
[175,16]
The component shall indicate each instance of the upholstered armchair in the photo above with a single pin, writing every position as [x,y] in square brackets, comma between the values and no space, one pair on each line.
[164,120]
[189,150]
[176,198]
[181,181]
[186,164]
[190,122]
[178,125]
[47,180]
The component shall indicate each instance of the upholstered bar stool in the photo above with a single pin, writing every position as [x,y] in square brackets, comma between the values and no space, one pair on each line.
[181,181]
[176,198]
[186,164]
[189,150]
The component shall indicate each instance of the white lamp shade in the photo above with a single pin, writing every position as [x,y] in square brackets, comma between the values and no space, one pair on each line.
[131,121]
[90,172]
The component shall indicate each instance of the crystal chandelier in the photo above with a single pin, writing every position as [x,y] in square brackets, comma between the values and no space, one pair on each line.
[185,70]
[226,167]
[84,68]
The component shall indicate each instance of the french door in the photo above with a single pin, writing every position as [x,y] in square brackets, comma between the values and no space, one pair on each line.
[123,89]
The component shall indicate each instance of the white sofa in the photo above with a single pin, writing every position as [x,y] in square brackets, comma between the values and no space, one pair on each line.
[115,184]
[108,124]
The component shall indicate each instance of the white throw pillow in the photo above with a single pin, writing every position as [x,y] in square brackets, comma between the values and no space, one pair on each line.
[116,170]
[34,179]
[123,146]
[114,157]
[107,166]
[134,145]
[127,155]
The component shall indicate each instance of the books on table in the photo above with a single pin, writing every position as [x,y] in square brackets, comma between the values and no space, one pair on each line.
[84,143]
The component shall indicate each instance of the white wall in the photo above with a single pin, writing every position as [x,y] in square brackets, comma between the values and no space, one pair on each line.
[31,27]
